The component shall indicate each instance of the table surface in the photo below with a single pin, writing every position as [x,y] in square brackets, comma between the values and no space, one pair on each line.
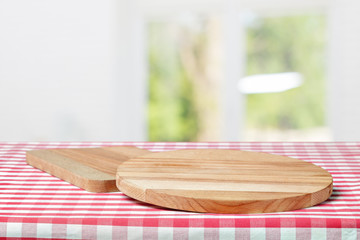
[34,204]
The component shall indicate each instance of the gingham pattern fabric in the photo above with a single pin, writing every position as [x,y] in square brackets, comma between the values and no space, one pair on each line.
[34,204]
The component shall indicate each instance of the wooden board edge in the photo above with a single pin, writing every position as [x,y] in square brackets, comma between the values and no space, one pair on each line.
[228,206]
[322,195]
[55,170]
[123,185]
[182,203]
[173,201]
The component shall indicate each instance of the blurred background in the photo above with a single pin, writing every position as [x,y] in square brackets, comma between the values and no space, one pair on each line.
[156,70]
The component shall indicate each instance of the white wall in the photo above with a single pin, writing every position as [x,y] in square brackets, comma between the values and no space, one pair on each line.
[60,73]
[344,70]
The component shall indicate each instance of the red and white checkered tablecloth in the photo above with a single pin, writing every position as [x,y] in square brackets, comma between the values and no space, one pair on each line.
[34,204]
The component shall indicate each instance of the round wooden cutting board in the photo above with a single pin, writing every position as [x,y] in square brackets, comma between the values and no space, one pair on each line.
[224,181]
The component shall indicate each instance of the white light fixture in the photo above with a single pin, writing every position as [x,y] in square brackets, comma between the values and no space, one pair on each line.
[270,83]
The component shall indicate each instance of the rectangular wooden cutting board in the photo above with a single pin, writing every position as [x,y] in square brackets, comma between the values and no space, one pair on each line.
[93,169]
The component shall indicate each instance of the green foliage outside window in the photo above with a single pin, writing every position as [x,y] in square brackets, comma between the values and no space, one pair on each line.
[274,45]
[287,44]
[171,114]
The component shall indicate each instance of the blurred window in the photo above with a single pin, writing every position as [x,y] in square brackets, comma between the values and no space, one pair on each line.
[287,44]
[185,72]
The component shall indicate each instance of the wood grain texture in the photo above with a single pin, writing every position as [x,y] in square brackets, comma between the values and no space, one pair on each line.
[92,169]
[224,181]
